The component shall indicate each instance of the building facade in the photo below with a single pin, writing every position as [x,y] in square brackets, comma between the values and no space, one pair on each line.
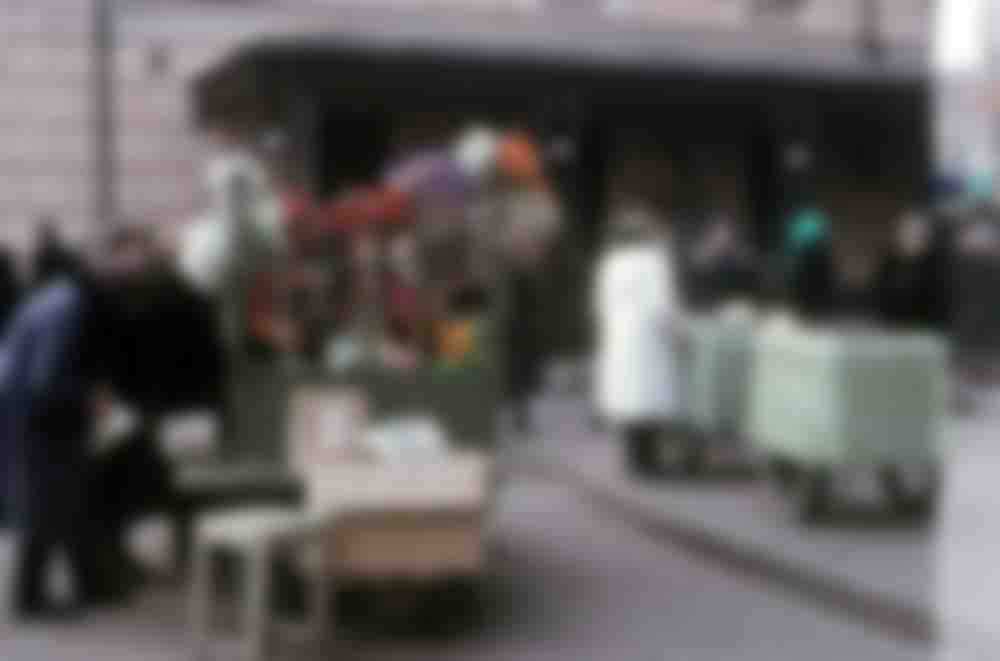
[48,163]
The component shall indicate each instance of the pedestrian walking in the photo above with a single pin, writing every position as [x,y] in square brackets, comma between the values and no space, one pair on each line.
[638,318]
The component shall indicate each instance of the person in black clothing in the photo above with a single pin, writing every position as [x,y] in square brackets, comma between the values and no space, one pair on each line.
[62,346]
[914,281]
[534,225]
[857,297]
[52,257]
[975,237]
[814,286]
[811,283]
[127,482]
[722,268]
[10,293]
[10,289]
[525,343]
[172,360]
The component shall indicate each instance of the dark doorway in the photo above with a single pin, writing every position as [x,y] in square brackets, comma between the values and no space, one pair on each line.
[354,147]
[763,172]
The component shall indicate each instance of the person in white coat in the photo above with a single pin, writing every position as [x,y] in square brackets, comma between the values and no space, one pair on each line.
[637,307]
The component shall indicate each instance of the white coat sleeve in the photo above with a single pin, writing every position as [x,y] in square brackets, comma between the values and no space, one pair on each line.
[666,297]
[658,283]
[598,296]
[674,299]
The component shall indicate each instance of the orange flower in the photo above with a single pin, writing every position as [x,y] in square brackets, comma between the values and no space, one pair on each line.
[456,340]
[519,159]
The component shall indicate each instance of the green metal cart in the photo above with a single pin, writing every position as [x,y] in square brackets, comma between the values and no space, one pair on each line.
[822,402]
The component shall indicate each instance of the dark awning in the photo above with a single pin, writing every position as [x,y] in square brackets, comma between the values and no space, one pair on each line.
[582,41]
[511,58]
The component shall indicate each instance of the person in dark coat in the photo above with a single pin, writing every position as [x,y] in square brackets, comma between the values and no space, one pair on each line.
[127,482]
[10,293]
[57,356]
[976,241]
[53,258]
[722,268]
[173,357]
[811,280]
[914,283]
[54,363]
[525,343]
[857,296]
[171,360]
[534,227]
[10,289]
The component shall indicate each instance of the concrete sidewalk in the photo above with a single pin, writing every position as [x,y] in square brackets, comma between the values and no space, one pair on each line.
[864,563]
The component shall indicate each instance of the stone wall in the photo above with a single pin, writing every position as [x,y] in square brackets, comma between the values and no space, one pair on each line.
[46,108]
[45,118]
[47,144]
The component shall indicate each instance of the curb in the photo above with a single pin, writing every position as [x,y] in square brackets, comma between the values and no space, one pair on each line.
[913,624]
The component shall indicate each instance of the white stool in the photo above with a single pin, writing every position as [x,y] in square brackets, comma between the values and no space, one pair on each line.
[257,536]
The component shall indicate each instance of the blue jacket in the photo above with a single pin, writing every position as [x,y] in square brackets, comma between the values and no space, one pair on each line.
[45,384]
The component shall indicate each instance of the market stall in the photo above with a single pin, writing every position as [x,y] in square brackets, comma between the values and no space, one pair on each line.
[390,292]
[387,286]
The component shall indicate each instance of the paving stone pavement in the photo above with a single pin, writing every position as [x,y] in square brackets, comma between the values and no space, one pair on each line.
[567,584]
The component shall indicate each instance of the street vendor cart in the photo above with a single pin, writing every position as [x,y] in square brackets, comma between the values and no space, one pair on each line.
[381,406]
[714,371]
[827,402]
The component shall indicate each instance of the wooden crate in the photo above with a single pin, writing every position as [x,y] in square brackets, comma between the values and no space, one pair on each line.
[419,521]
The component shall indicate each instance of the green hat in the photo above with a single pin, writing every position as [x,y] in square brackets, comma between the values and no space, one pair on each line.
[808,227]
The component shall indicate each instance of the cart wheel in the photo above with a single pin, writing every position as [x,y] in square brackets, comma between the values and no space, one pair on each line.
[812,494]
[784,473]
[907,498]
[694,457]
[641,458]
[679,452]
[449,606]
[596,423]
[396,604]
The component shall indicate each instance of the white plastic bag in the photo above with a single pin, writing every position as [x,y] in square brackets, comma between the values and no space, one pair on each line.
[410,438]
[206,245]
[189,436]
[475,151]
[739,311]
[203,254]
[343,353]
[114,428]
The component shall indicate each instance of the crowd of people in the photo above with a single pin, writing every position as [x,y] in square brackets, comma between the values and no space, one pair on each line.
[115,324]
[648,282]
[910,288]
